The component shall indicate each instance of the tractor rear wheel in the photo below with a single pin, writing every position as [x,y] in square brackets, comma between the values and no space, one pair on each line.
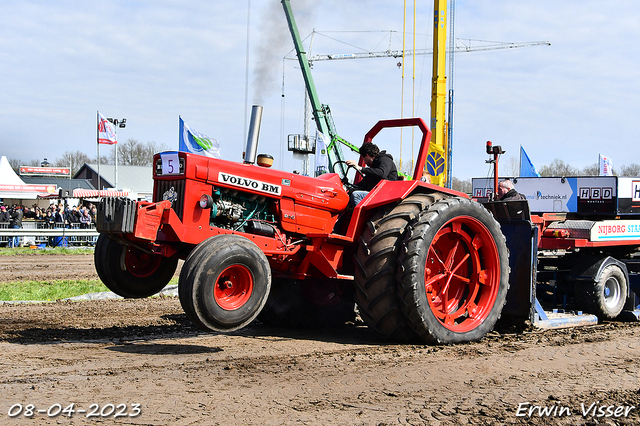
[377,265]
[606,297]
[455,272]
[225,283]
[130,272]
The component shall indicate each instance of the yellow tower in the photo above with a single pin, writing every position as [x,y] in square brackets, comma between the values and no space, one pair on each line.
[437,158]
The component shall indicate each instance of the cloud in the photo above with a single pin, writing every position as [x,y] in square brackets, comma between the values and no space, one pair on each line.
[150,61]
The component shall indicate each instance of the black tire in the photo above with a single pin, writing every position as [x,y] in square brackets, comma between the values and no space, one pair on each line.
[376,268]
[606,297]
[310,303]
[130,272]
[99,254]
[186,274]
[455,272]
[225,283]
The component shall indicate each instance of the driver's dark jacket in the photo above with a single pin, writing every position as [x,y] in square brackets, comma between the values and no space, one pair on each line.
[382,167]
[513,195]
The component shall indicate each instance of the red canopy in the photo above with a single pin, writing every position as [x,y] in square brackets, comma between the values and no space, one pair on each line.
[86,193]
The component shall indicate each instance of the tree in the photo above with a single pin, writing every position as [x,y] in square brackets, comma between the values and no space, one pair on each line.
[592,170]
[632,170]
[558,168]
[511,167]
[406,167]
[134,153]
[103,160]
[73,160]
[15,164]
[461,185]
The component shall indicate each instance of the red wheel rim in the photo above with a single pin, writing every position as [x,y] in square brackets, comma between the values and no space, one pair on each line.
[233,287]
[141,264]
[462,274]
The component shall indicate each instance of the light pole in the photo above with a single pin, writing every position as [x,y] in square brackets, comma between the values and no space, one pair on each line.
[121,124]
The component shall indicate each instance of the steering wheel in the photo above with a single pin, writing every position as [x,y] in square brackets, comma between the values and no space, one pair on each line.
[345,180]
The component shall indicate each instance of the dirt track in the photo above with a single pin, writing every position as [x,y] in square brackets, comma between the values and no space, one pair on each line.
[44,267]
[146,352]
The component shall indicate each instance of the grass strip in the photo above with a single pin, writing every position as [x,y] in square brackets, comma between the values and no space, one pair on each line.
[6,251]
[52,290]
[48,290]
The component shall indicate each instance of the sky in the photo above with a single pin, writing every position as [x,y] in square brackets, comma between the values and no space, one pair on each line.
[210,61]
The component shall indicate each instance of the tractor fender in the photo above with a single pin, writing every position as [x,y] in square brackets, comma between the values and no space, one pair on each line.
[387,193]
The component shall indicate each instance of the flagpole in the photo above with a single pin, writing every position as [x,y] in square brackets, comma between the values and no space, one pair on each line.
[520,164]
[115,146]
[98,140]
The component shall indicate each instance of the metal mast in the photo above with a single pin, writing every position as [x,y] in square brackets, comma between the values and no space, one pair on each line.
[452,44]
[436,160]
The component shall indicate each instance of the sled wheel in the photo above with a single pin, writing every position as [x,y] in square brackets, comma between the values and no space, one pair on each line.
[225,283]
[377,264]
[310,303]
[130,272]
[455,272]
[606,297]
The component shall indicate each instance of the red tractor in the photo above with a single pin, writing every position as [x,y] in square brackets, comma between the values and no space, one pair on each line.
[421,262]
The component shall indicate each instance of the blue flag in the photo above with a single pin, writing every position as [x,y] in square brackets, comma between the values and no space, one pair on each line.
[197,143]
[526,166]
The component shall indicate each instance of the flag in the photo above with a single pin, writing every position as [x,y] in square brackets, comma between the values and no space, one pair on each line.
[322,156]
[106,131]
[606,165]
[436,164]
[197,143]
[526,166]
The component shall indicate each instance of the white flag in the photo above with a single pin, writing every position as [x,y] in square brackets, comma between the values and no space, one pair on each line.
[322,156]
[106,131]
[606,165]
[196,142]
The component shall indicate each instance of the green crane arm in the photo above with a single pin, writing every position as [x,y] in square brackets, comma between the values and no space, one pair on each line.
[321,113]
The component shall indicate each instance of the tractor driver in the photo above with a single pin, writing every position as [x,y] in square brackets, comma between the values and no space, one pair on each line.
[379,166]
[507,192]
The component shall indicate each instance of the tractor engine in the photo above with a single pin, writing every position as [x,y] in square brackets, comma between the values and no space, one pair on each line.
[243,212]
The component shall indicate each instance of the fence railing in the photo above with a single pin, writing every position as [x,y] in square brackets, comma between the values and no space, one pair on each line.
[59,236]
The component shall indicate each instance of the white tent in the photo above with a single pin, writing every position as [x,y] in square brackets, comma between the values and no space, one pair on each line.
[7,175]
[14,189]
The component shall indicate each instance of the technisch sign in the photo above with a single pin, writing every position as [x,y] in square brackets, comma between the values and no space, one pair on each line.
[595,194]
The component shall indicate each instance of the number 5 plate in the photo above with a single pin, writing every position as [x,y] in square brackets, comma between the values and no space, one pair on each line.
[170,163]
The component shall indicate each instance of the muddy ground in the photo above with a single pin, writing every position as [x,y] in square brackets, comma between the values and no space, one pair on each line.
[146,352]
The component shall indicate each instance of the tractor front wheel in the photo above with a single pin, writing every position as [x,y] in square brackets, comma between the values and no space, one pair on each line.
[454,274]
[130,272]
[224,283]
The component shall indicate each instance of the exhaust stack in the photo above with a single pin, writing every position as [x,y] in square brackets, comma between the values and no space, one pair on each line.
[254,133]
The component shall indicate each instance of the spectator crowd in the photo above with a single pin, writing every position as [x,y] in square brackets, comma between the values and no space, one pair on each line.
[55,216]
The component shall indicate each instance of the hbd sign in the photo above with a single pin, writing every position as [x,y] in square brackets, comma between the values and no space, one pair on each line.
[588,193]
